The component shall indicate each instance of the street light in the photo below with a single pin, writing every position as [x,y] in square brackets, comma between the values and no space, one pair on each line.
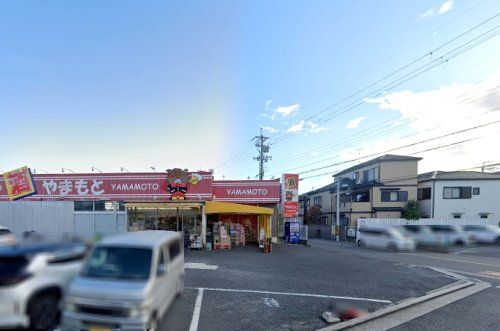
[62,169]
[153,168]
[94,168]
[122,169]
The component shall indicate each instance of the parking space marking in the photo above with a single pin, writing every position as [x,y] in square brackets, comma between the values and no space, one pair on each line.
[196,312]
[290,294]
[271,302]
[201,266]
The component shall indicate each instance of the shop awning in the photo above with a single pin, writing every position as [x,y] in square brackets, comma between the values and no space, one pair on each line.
[214,207]
[162,205]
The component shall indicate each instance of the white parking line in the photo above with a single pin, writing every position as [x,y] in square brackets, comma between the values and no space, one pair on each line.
[289,293]
[196,312]
[201,266]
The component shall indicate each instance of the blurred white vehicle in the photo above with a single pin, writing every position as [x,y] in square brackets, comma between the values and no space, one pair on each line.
[33,279]
[424,236]
[6,236]
[483,234]
[128,283]
[451,234]
[384,238]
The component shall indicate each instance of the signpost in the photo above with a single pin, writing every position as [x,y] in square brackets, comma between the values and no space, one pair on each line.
[19,183]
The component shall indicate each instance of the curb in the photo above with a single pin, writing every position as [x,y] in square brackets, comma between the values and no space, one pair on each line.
[453,287]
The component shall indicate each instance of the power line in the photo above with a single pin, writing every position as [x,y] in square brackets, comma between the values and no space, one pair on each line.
[383,89]
[404,146]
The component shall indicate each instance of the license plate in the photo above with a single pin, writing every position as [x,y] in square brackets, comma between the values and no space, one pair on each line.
[99,328]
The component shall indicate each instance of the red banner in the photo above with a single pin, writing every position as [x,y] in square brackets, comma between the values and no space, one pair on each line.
[116,186]
[290,209]
[247,191]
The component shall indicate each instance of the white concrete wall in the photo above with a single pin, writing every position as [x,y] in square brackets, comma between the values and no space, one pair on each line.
[488,201]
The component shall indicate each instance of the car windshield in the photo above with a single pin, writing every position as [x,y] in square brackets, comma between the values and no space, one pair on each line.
[4,231]
[119,263]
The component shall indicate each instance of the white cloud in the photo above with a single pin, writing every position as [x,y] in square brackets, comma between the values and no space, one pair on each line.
[268,104]
[269,129]
[355,122]
[296,128]
[444,8]
[315,128]
[439,112]
[280,111]
[287,110]
[305,126]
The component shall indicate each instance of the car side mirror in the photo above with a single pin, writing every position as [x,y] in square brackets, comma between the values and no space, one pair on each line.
[162,270]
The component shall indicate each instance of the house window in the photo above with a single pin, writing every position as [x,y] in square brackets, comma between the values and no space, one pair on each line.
[370,175]
[457,215]
[355,176]
[475,191]
[459,192]
[317,201]
[394,196]
[424,193]
[483,215]
[324,220]
[308,202]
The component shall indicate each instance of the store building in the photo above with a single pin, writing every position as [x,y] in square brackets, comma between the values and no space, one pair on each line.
[99,204]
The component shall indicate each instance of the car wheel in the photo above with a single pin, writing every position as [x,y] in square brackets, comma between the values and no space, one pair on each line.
[361,244]
[497,241]
[392,248]
[43,311]
[154,324]
[460,243]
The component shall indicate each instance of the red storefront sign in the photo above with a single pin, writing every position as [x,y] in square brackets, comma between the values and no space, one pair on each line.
[247,191]
[116,186]
[290,208]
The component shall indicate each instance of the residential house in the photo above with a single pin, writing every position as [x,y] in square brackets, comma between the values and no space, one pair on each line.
[459,194]
[320,197]
[378,188]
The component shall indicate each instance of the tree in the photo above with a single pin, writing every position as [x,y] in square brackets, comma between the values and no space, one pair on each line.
[410,211]
[313,215]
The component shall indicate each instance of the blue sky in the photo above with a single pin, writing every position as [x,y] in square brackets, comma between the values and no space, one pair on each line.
[188,83]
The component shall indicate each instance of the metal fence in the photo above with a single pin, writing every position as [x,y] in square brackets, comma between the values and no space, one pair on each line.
[425,221]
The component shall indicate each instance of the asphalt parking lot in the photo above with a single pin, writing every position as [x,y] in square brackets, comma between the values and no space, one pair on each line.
[288,289]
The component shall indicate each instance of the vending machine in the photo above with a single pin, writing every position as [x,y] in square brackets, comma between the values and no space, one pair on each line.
[292,232]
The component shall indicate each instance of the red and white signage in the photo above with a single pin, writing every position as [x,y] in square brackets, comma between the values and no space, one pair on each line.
[115,186]
[247,191]
[290,194]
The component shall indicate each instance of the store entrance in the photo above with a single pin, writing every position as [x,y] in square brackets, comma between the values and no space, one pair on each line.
[164,216]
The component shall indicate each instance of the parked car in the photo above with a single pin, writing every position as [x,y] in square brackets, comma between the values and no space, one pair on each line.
[128,282]
[6,236]
[483,234]
[451,234]
[384,238]
[33,280]
[423,235]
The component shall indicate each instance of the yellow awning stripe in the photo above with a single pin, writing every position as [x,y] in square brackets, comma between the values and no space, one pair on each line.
[214,207]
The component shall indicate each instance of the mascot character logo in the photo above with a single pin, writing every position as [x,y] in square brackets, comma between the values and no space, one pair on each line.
[177,180]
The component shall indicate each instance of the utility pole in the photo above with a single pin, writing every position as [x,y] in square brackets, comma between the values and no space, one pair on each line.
[263,151]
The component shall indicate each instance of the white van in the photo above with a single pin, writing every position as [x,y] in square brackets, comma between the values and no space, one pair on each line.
[128,283]
[384,238]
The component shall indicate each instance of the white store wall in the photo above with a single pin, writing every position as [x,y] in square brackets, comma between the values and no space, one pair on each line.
[55,219]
